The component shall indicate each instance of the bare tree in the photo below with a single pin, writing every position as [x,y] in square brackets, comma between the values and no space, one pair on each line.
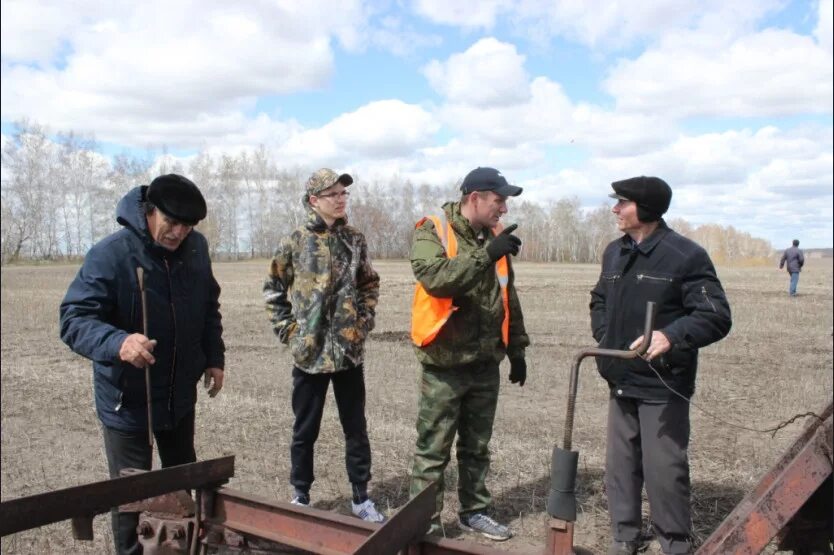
[29,159]
[58,199]
[203,174]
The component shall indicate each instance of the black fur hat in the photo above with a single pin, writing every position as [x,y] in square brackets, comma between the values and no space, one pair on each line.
[178,198]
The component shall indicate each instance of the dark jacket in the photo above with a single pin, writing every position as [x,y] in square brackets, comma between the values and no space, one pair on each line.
[473,331]
[795,259]
[692,311]
[103,306]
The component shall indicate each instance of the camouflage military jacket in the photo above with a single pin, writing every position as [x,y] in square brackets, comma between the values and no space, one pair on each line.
[321,294]
[473,332]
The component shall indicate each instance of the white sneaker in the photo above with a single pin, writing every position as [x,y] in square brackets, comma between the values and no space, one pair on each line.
[299,500]
[486,526]
[367,511]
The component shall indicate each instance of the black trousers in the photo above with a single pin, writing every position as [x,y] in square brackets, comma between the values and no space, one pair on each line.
[647,443]
[131,450]
[309,392]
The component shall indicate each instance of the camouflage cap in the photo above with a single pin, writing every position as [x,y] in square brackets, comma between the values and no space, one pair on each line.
[324,179]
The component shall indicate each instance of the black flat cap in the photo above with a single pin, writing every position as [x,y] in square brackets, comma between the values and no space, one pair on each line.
[651,193]
[488,179]
[178,198]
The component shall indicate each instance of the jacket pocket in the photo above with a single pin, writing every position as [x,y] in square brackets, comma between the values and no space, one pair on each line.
[131,386]
[109,378]
[305,348]
[655,278]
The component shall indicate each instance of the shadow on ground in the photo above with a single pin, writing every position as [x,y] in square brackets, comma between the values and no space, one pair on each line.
[711,503]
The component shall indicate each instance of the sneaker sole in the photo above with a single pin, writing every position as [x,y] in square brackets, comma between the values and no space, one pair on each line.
[493,537]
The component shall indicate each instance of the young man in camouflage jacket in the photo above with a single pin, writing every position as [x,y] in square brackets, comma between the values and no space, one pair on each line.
[460,379]
[321,294]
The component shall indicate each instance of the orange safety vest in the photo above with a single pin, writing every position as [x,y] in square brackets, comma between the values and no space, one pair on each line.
[429,314]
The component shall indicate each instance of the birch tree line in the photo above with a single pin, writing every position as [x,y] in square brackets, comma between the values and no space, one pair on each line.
[59,195]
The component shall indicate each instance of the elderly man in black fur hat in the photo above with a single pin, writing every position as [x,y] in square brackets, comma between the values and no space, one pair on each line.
[648,409]
[102,319]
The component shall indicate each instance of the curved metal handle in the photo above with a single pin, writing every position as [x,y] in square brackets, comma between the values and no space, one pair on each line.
[613,353]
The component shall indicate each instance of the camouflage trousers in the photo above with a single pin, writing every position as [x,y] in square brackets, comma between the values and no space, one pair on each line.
[458,400]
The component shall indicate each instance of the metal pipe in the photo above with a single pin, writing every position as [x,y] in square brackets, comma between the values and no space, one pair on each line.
[140,275]
[198,516]
[613,353]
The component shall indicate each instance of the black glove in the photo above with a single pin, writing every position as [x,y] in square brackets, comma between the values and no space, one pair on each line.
[503,244]
[518,371]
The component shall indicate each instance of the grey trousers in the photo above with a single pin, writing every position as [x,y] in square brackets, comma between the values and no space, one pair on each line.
[647,443]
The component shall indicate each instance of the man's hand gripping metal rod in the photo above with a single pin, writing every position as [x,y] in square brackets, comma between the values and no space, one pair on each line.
[596,351]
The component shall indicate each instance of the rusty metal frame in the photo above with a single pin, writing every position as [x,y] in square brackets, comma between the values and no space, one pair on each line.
[328,533]
[231,516]
[779,495]
[82,503]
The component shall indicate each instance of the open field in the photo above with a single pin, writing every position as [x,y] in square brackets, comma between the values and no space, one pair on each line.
[776,362]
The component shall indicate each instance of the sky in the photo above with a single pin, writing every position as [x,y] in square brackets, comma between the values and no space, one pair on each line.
[729,102]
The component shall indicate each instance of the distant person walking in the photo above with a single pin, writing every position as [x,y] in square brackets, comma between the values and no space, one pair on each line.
[102,320]
[648,408]
[321,295]
[795,259]
[465,319]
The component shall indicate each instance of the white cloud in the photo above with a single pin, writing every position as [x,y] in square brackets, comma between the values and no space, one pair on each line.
[770,73]
[770,183]
[766,182]
[381,129]
[488,73]
[37,31]
[481,14]
[162,66]
[597,23]
[825,21]
[488,98]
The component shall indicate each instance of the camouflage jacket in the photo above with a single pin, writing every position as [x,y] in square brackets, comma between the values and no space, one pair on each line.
[321,294]
[473,332]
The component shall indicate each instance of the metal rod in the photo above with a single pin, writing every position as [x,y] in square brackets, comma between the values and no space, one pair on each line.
[140,275]
[198,516]
[613,353]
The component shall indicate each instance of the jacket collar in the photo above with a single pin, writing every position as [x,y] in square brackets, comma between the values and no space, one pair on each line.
[459,222]
[317,224]
[649,243]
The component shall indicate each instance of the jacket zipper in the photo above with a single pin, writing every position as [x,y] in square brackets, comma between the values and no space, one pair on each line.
[173,373]
[706,297]
[641,277]
[330,298]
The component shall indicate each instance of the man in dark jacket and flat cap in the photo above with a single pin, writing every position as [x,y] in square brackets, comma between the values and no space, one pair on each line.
[648,410]
[101,319]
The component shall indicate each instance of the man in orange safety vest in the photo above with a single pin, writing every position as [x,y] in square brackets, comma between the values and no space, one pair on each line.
[466,318]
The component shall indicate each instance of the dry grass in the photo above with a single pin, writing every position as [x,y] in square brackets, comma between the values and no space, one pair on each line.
[776,362]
